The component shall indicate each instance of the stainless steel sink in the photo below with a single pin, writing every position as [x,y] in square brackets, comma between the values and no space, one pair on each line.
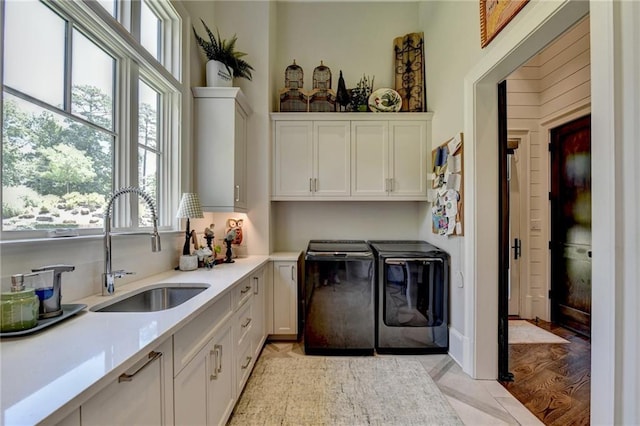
[157,297]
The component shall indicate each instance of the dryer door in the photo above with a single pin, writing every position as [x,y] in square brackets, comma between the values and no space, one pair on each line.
[413,292]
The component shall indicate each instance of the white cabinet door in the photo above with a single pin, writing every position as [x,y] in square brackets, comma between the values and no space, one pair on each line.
[331,158]
[259,328]
[204,389]
[285,297]
[293,159]
[240,157]
[369,158]
[137,397]
[220,147]
[408,159]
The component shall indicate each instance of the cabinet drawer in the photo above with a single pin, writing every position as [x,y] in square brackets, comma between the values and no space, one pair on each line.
[192,337]
[244,323]
[244,364]
[243,292]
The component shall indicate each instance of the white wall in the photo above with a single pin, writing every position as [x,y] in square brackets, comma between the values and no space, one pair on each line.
[615,64]
[355,37]
[452,47]
[251,22]
[295,223]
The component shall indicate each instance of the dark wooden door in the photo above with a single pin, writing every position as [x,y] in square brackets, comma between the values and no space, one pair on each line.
[571,225]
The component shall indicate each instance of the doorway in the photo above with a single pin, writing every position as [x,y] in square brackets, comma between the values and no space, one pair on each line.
[570,244]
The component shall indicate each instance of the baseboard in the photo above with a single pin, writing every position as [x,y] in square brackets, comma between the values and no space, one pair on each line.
[458,347]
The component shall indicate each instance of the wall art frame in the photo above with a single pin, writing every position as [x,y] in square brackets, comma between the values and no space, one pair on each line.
[495,15]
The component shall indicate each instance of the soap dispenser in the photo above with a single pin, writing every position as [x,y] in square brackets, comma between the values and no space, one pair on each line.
[19,308]
[51,298]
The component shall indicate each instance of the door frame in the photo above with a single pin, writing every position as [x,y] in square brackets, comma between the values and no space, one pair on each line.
[523,38]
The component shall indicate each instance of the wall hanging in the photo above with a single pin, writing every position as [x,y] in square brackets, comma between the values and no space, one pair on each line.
[409,69]
[447,191]
[495,15]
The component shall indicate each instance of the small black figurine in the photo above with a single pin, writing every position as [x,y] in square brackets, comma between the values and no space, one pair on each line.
[228,240]
[208,235]
[342,95]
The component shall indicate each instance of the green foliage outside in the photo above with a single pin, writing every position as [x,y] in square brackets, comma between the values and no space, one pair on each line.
[56,166]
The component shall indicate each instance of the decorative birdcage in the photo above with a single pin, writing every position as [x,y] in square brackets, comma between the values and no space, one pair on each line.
[292,97]
[322,98]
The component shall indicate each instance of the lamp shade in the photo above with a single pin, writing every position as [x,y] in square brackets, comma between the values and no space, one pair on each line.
[190,206]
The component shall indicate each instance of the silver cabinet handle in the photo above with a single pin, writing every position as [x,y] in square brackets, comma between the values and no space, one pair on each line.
[218,349]
[237,192]
[213,364]
[246,323]
[315,184]
[246,364]
[390,184]
[292,279]
[125,377]
[256,289]
[310,184]
[246,289]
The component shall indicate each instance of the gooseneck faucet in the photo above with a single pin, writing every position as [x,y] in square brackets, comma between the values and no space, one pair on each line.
[108,286]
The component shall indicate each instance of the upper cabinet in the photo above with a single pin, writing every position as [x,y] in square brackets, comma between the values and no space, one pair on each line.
[312,159]
[350,156]
[220,148]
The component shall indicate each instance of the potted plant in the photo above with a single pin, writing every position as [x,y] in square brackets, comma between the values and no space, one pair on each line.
[360,94]
[225,62]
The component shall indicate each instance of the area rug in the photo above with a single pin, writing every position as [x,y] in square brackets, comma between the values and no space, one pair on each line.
[521,331]
[342,391]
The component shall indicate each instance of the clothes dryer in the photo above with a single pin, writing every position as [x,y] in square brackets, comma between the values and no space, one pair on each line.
[412,297]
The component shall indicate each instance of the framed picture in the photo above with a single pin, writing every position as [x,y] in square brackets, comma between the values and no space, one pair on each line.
[495,15]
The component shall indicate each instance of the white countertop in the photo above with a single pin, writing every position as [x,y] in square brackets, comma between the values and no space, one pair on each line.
[45,375]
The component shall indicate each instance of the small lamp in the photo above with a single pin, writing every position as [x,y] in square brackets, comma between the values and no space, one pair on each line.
[190,208]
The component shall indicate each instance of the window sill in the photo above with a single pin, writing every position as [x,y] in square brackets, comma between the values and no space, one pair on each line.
[81,238]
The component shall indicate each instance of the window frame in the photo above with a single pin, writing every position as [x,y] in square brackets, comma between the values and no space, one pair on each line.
[133,61]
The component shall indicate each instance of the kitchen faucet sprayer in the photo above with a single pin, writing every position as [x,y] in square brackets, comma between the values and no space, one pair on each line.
[109,275]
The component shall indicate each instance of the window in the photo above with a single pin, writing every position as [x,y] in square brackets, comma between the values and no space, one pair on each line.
[72,131]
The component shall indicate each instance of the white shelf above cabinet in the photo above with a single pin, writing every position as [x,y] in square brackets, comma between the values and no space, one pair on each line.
[220,148]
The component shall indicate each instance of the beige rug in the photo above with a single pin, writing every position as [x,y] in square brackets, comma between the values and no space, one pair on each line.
[342,391]
[521,331]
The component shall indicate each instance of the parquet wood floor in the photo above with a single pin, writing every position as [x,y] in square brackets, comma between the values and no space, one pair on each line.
[553,380]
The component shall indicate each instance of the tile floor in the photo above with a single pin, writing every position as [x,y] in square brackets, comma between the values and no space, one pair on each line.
[477,402]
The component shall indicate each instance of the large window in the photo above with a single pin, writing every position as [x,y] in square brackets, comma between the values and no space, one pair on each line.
[72,131]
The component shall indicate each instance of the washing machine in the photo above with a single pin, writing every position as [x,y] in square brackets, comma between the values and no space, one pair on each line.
[412,303]
[339,316]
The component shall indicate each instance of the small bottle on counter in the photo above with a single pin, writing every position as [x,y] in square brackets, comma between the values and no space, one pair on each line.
[18,308]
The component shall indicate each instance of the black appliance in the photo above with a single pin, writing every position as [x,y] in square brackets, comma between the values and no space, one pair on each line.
[412,297]
[339,298]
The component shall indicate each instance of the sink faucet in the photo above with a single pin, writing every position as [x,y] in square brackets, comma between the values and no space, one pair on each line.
[108,286]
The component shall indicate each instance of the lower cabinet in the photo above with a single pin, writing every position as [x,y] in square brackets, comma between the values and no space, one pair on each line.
[204,390]
[142,395]
[285,299]
[259,327]
[208,384]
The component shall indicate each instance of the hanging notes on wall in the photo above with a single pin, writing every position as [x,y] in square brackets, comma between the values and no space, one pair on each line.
[447,190]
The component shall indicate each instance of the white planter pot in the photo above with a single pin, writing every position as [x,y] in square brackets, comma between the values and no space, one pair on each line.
[218,75]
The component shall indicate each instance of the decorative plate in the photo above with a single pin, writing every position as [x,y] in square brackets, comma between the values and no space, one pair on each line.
[385,100]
